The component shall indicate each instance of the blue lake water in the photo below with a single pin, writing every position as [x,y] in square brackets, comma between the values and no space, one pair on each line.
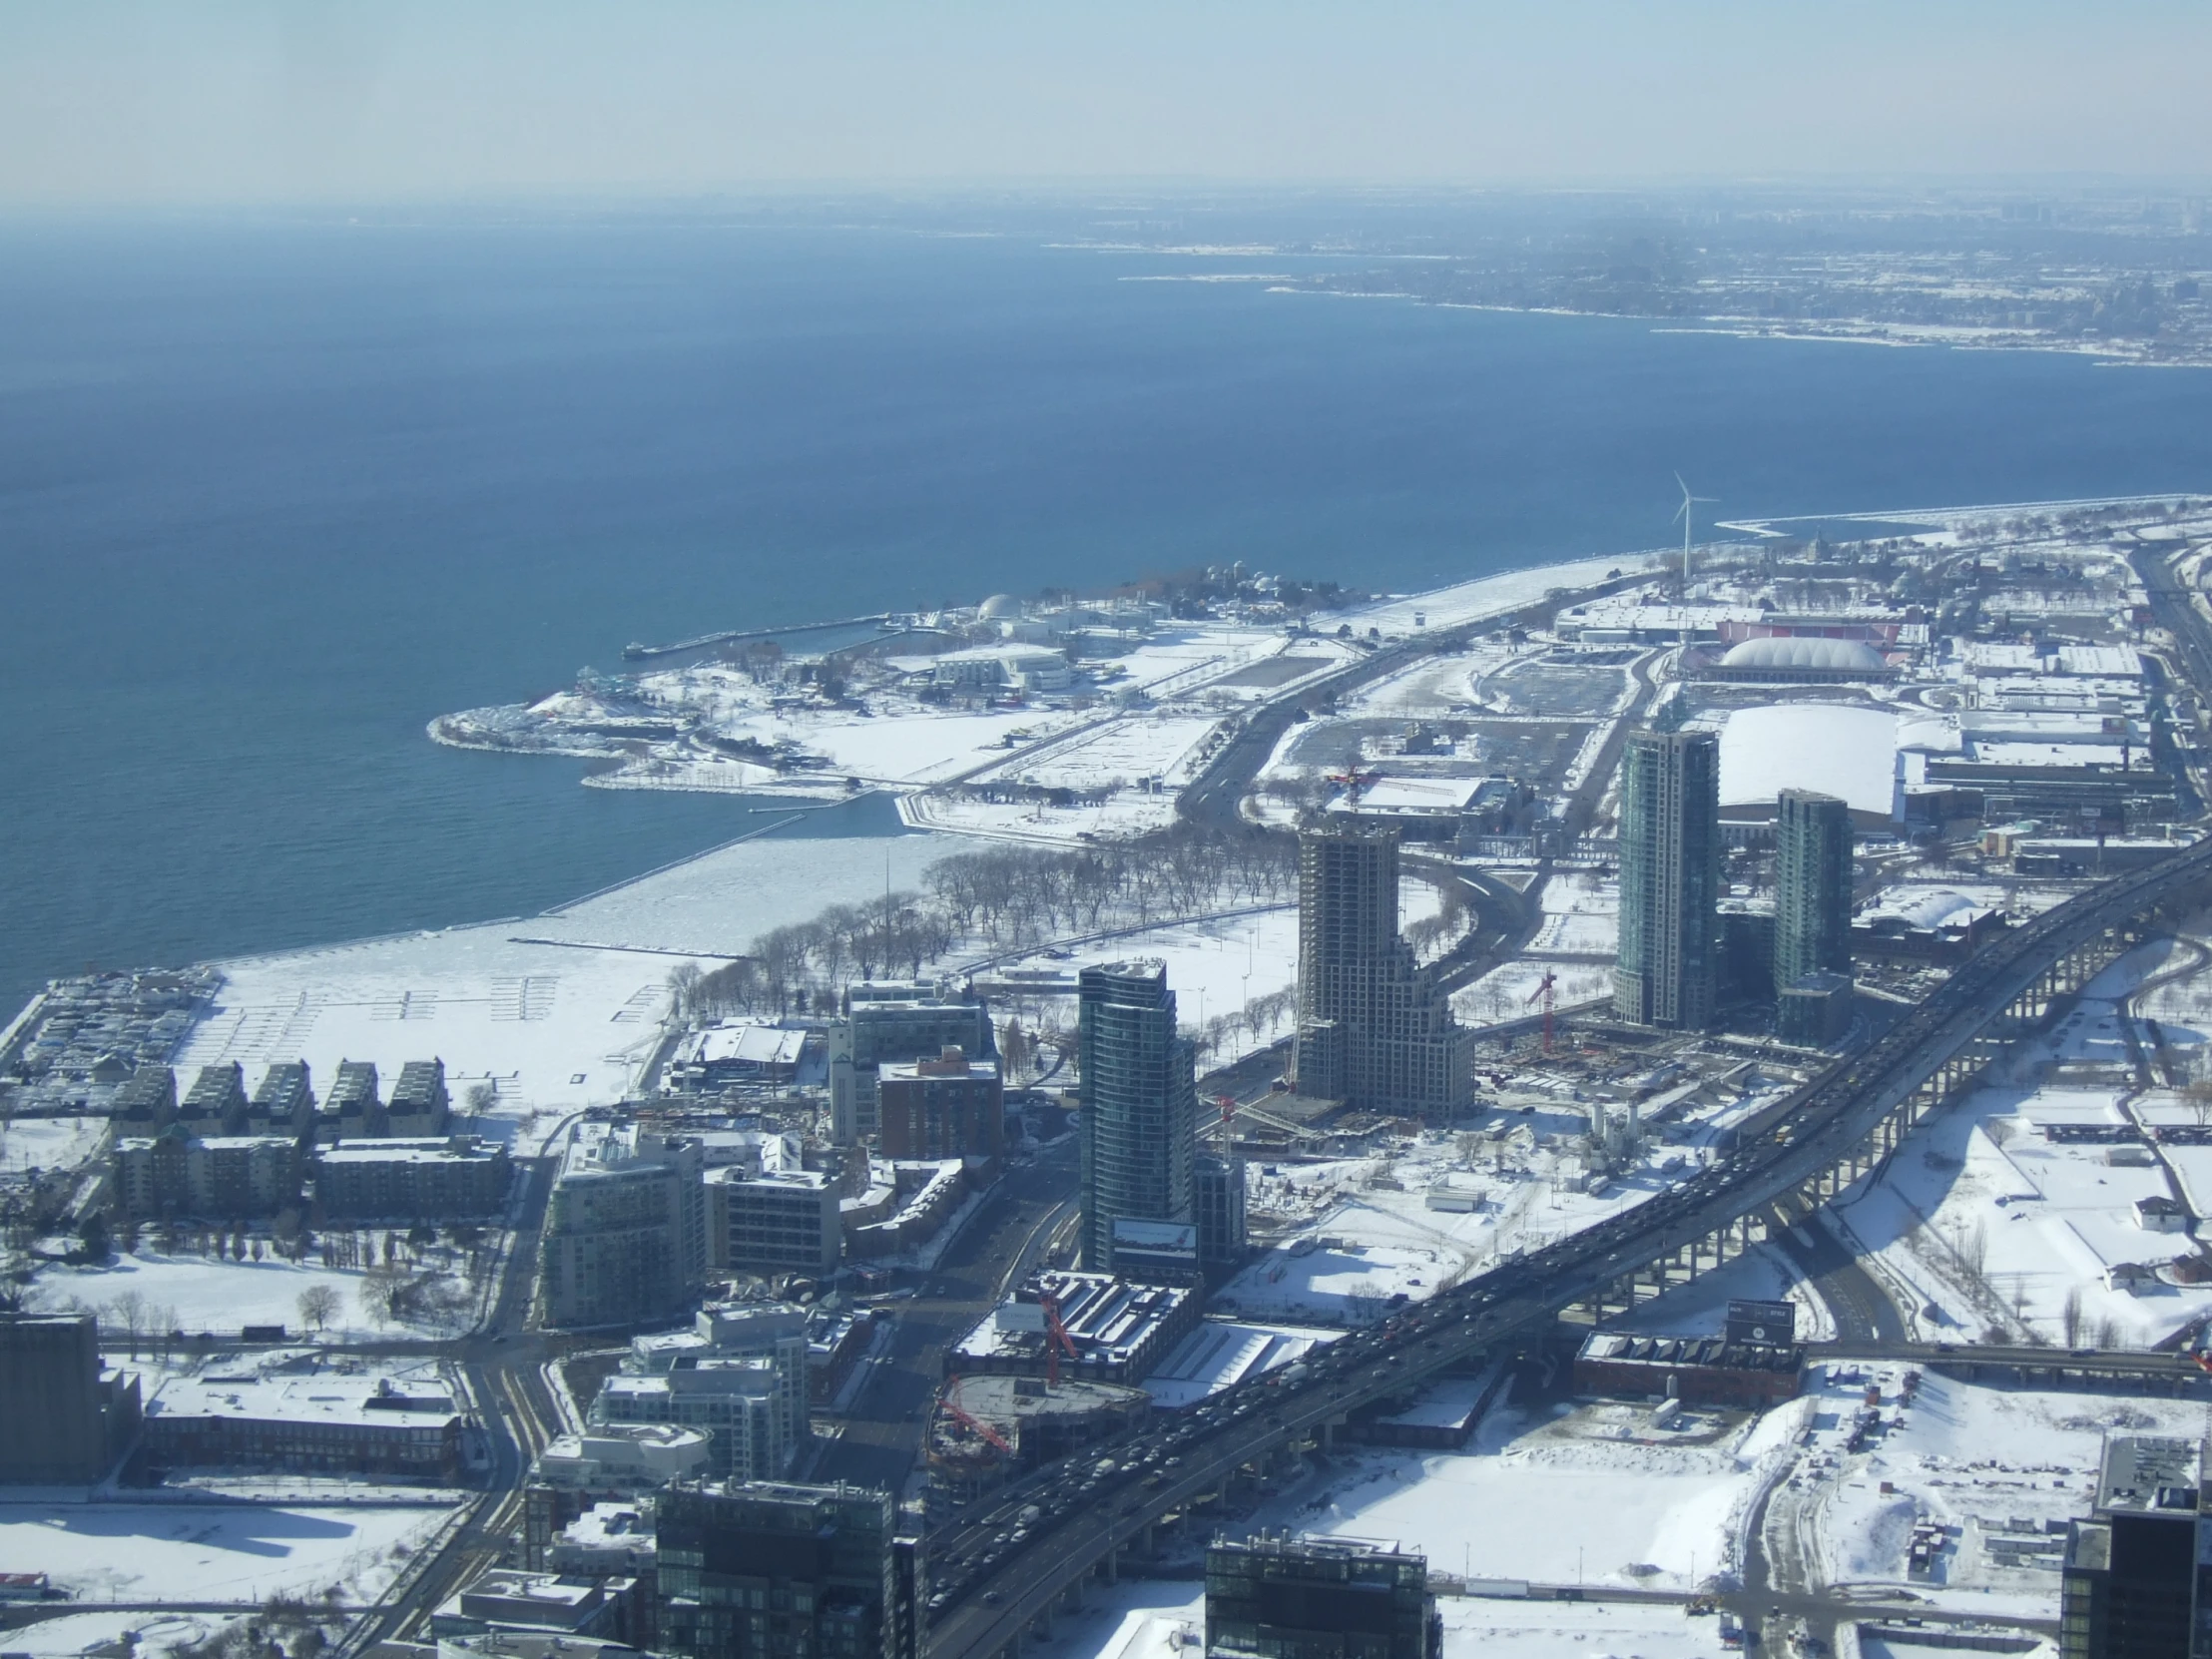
[272,496]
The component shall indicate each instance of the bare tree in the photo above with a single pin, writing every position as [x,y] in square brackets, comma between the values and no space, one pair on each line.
[317,1305]
[683,986]
[2072,1317]
[1973,1248]
[378,1294]
[129,1312]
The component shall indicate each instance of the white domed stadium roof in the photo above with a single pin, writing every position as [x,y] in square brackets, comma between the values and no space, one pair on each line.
[1842,656]
[1834,749]
[1000,605]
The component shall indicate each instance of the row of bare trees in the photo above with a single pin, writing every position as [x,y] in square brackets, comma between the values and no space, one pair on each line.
[1001,898]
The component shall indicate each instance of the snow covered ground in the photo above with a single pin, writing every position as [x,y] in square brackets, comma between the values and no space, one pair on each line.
[1507,992]
[1582,916]
[201,1293]
[1991,1216]
[1347,1280]
[1138,1618]
[1155,1618]
[718,902]
[149,1634]
[212,1552]
[550,1026]
[1543,1629]
[49,1143]
[1490,596]
[1354,1233]
[558,1011]
[1125,814]
[1429,687]
[1970,1459]
[1564,1494]
[1154,743]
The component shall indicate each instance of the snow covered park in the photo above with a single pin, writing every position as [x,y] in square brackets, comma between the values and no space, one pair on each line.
[192,1552]
[200,1292]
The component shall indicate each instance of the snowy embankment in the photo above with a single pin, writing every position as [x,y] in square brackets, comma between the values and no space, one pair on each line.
[2015,1210]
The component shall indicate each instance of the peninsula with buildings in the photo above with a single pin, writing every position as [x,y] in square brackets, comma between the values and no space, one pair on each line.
[1653,1102]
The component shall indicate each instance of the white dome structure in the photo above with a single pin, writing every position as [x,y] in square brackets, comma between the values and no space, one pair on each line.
[1834,748]
[1821,656]
[999,607]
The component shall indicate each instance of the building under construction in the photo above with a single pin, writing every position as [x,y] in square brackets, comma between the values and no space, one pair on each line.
[1090,1325]
[1375,1028]
[991,1428]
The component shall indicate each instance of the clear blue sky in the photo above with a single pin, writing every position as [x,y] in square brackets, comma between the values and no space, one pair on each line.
[180,100]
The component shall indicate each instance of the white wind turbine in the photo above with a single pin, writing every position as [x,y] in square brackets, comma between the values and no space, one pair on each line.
[1683,512]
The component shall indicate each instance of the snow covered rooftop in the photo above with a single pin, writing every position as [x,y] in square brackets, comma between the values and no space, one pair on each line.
[1784,652]
[1837,749]
[746,1043]
[318,1396]
[1419,794]
[1218,1354]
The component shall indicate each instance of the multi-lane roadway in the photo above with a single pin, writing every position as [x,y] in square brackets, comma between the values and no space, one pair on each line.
[990,1588]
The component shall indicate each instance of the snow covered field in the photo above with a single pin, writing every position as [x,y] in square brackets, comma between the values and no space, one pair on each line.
[210,1553]
[1560,1496]
[75,1633]
[1126,814]
[1159,745]
[203,1293]
[557,1011]
[1582,916]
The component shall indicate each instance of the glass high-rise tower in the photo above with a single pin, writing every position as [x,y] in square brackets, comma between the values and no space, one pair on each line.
[1670,947]
[1139,1127]
[1811,917]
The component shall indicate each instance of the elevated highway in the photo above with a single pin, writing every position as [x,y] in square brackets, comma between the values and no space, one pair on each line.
[1790,1159]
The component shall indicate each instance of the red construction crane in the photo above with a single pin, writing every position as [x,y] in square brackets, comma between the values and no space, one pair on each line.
[1227,1105]
[974,1423]
[1543,991]
[1353,781]
[1056,1338]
